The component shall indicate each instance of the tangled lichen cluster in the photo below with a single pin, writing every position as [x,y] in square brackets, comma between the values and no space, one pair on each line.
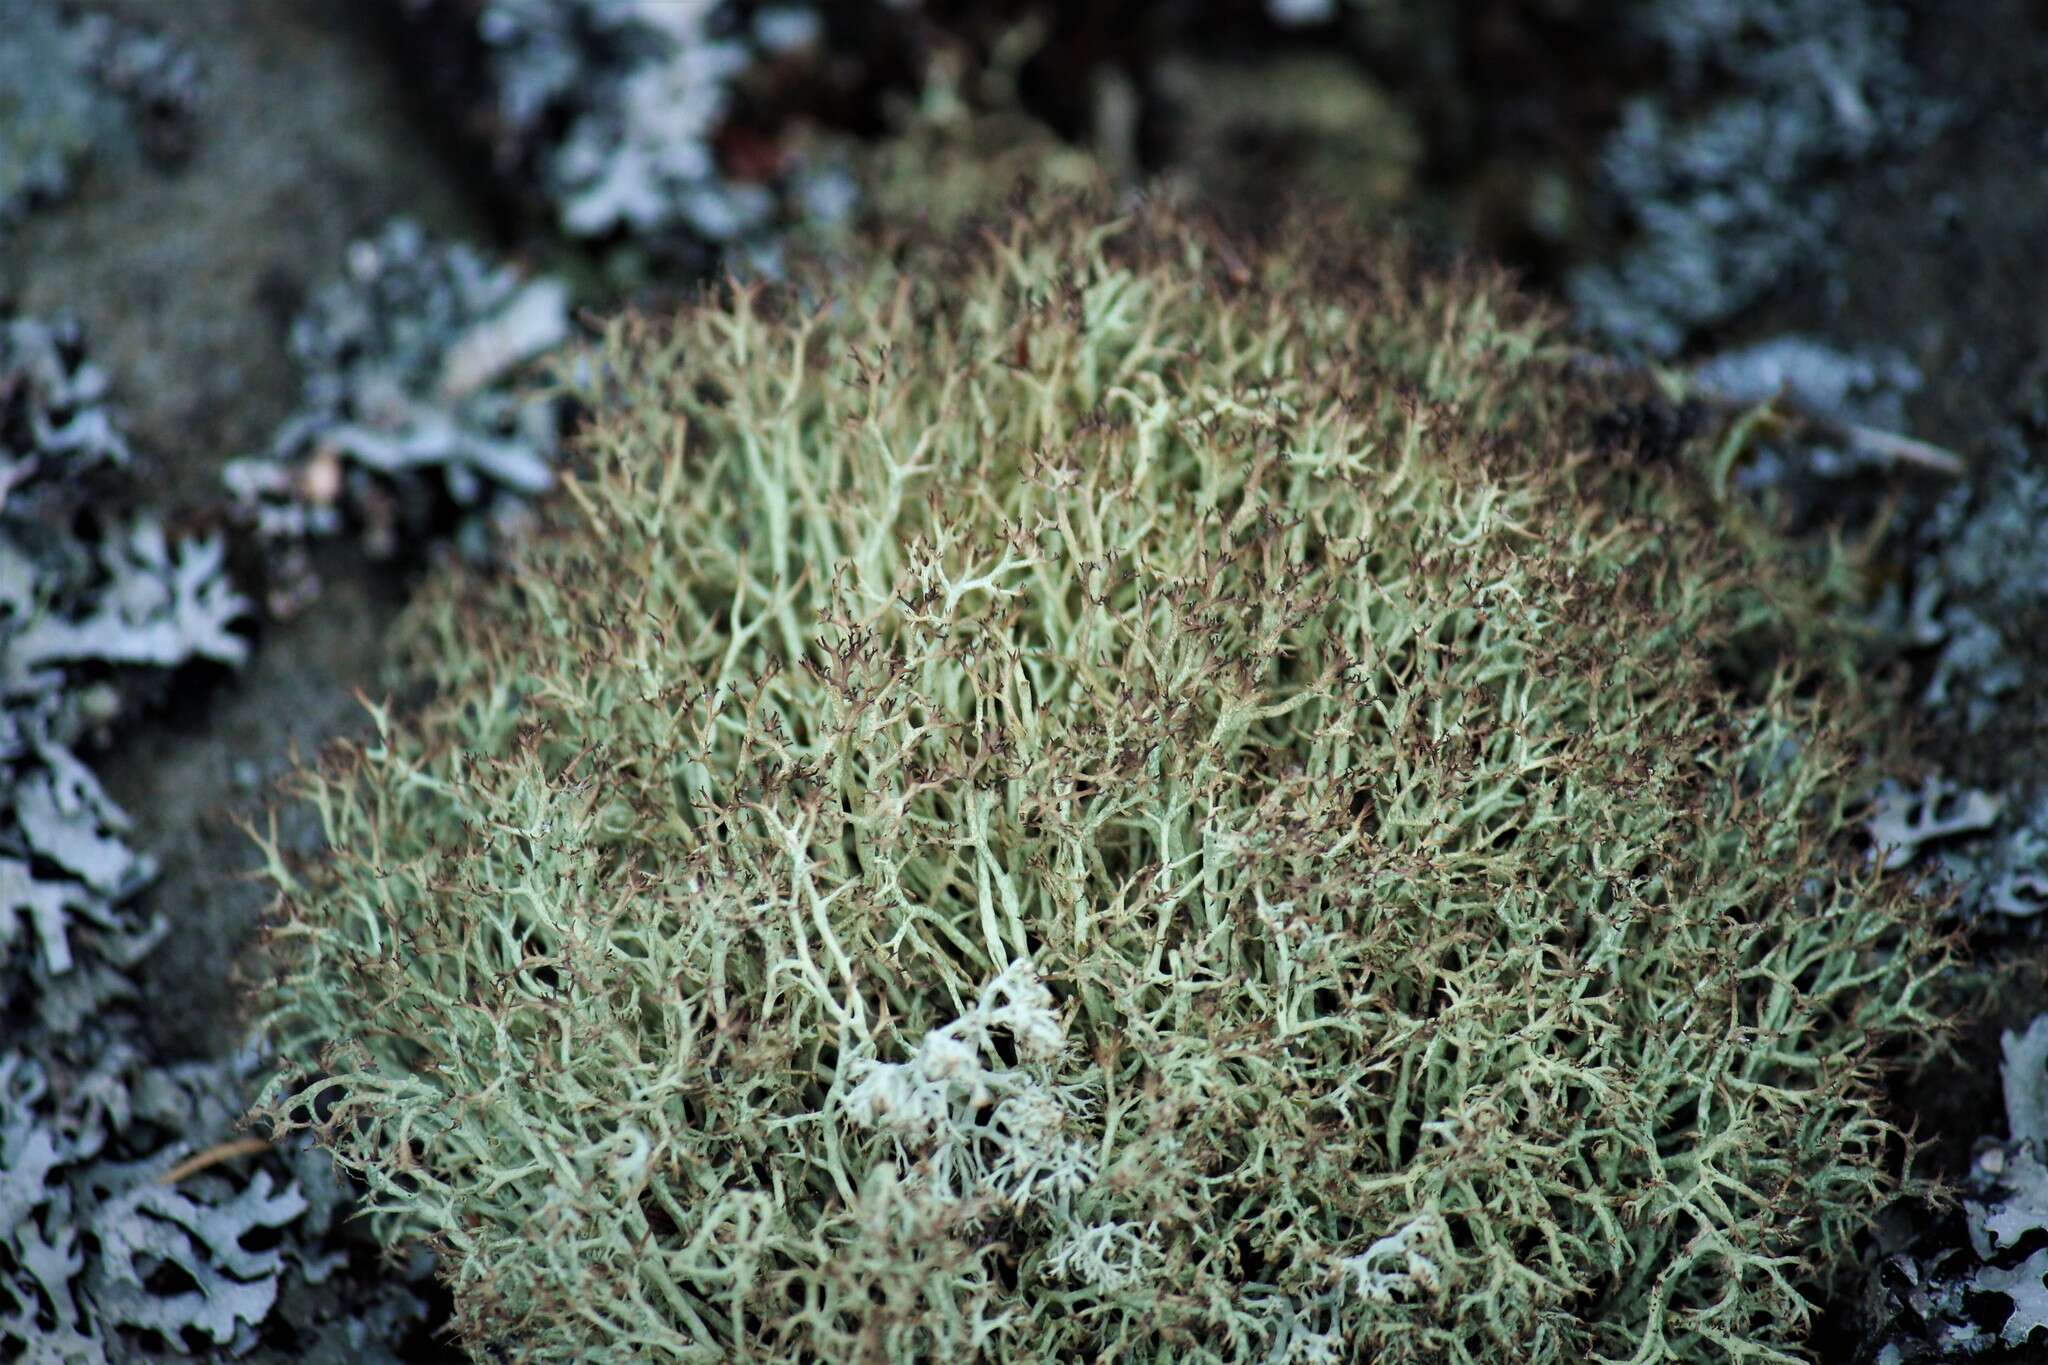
[1097,792]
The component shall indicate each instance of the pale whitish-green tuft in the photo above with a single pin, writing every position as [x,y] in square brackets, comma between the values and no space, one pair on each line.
[1104,794]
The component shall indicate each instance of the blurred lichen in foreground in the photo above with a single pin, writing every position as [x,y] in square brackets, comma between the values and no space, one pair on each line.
[1093,791]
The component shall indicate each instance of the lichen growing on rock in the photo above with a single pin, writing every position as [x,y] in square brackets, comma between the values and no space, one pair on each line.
[112,1244]
[1100,792]
[411,400]
[63,81]
[90,596]
[1713,188]
[617,112]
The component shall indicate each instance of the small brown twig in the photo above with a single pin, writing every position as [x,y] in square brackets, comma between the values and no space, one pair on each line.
[1888,447]
[213,1156]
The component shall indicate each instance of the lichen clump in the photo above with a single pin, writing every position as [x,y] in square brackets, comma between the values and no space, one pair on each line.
[1096,792]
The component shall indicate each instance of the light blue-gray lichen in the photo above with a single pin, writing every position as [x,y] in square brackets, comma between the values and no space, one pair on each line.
[1989,853]
[1979,590]
[154,73]
[2002,879]
[93,1228]
[615,106]
[412,364]
[1864,387]
[101,1256]
[83,593]
[51,113]
[1940,1302]
[1301,13]
[1970,612]
[1903,820]
[64,82]
[1715,183]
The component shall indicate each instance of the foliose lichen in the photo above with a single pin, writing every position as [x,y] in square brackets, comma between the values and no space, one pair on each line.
[1991,853]
[616,107]
[1864,387]
[63,81]
[85,596]
[413,398]
[109,1244]
[1986,1291]
[160,80]
[1095,791]
[1713,186]
[2004,879]
[50,113]
[1978,595]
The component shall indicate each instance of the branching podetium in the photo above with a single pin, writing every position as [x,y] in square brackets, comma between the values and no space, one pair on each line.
[1081,794]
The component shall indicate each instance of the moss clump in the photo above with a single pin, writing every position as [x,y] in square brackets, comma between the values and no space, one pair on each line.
[1104,794]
